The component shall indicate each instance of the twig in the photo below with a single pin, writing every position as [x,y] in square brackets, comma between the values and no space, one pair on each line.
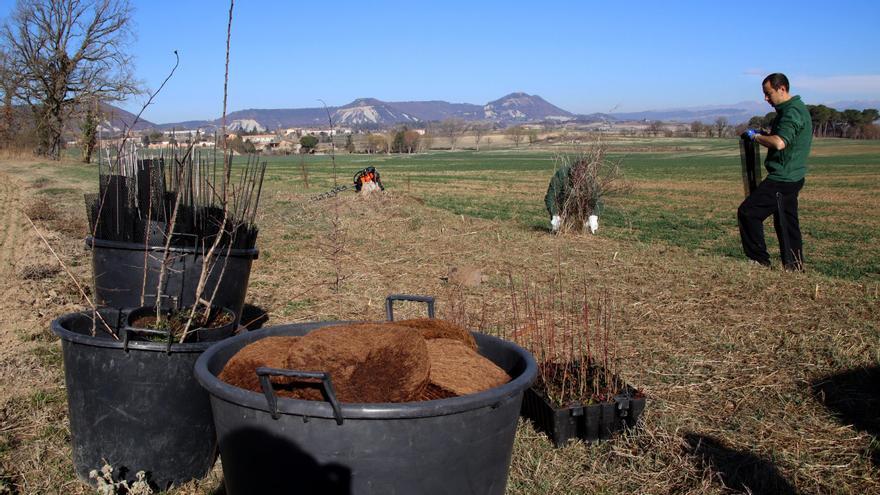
[75,281]
[207,260]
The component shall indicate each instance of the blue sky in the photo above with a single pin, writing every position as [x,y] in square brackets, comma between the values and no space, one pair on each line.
[582,56]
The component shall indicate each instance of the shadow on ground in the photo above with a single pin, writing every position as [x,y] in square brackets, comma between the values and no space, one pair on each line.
[253,317]
[738,470]
[854,397]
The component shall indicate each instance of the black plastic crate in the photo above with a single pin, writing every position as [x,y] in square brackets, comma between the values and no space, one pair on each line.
[591,423]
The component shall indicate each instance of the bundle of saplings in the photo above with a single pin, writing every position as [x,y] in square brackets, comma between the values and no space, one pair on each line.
[400,361]
[179,198]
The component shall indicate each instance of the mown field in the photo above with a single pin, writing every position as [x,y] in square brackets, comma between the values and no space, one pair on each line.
[685,195]
[759,381]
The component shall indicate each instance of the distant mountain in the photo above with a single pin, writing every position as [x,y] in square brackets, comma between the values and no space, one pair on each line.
[854,104]
[734,113]
[189,124]
[511,109]
[370,112]
[282,117]
[593,117]
[440,110]
[522,107]
[114,120]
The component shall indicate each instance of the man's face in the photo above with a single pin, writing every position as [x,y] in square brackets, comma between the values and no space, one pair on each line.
[774,96]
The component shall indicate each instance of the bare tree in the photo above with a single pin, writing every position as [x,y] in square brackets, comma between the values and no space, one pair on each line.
[426,141]
[533,136]
[655,128]
[480,129]
[720,126]
[453,128]
[68,53]
[516,134]
[696,128]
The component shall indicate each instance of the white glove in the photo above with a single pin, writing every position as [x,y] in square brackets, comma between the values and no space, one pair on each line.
[555,223]
[593,223]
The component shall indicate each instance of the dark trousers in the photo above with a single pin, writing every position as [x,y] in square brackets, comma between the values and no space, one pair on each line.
[760,205]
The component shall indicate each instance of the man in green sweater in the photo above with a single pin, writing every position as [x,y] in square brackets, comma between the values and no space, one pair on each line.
[788,146]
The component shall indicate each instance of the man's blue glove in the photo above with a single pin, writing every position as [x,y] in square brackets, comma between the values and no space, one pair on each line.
[750,134]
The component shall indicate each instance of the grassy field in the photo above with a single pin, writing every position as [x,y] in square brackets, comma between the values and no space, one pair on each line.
[758,380]
[685,196]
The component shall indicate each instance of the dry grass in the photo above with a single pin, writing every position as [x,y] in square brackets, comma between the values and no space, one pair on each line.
[38,271]
[726,352]
[42,208]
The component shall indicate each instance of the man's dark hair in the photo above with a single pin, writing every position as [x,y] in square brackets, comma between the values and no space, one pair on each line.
[777,80]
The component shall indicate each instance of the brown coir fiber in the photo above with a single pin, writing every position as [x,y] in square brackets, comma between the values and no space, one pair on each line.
[456,369]
[368,363]
[431,328]
[270,352]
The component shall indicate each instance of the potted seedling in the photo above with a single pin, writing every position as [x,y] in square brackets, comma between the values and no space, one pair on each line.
[578,392]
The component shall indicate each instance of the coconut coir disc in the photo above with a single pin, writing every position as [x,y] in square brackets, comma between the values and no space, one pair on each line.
[270,352]
[456,369]
[368,363]
[431,328]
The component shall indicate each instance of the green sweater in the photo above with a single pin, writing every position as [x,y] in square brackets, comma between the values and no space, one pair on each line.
[795,127]
[561,187]
[557,191]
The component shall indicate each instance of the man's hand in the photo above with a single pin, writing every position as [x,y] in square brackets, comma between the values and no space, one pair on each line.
[555,223]
[751,133]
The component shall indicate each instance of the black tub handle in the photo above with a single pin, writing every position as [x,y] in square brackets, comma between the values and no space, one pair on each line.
[266,384]
[149,331]
[389,303]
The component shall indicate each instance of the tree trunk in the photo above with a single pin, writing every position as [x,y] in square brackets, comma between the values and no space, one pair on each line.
[50,122]
[8,124]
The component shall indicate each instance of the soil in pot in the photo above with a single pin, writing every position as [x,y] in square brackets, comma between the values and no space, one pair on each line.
[372,362]
[206,325]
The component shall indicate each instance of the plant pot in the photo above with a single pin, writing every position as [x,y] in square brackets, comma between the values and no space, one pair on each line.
[212,334]
[118,270]
[590,423]
[135,405]
[278,445]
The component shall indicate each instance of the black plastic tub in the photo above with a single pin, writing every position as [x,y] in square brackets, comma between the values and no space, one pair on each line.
[450,446]
[118,269]
[135,405]
[590,423]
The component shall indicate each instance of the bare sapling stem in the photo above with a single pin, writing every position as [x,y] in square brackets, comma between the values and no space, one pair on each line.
[207,259]
[166,253]
[73,278]
[146,248]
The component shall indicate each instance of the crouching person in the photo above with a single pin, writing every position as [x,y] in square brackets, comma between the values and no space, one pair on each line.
[569,200]
[367,181]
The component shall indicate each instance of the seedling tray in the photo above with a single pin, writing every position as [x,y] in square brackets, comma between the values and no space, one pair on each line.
[590,423]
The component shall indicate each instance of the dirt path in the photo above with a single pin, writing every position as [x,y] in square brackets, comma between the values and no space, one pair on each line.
[32,402]
[14,245]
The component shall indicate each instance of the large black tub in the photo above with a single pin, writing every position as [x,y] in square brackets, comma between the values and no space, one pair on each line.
[118,269]
[133,404]
[456,446]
